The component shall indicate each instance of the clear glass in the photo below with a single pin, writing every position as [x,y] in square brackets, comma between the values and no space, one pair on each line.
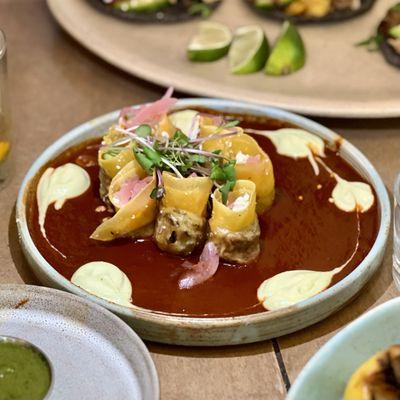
[5,119]
[396,234]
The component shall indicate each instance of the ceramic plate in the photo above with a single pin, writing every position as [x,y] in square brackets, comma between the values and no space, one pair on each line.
[93,354]
[339,79]
[220,331]
[327,373]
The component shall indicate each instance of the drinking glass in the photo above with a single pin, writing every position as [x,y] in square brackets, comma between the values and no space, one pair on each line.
[396,233]
[5,136]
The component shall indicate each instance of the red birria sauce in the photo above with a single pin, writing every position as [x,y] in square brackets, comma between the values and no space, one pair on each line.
[302,230]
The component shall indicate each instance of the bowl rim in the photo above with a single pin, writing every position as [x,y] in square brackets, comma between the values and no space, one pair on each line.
[151,316]
[335,341]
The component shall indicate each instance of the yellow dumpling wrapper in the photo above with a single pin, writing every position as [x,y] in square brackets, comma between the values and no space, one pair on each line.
[139,212]
[261,173]
[165,126]
[129,171]
[224,217]
[113,165]
[189,194]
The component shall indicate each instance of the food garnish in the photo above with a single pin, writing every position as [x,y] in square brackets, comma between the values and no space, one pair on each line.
[288,54]
[387,37]
[377,378]
[58,185]
[249,50]
[104,280]
[210,43]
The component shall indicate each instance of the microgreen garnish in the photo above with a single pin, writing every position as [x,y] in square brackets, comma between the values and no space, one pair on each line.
[373,42]
[224,175]
[110,153]
[180,155]
[227,125]
[143,130]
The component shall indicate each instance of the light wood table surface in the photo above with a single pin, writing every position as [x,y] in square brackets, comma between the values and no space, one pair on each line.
[55,85]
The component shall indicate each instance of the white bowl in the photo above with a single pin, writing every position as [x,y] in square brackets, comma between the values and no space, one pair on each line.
[326,375]
[219,331]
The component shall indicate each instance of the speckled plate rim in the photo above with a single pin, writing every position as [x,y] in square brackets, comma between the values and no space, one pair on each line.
[27,292]
[354,281]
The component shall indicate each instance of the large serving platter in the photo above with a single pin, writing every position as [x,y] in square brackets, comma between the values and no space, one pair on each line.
[92,353]
[229,330]
[338,80]
[327,373]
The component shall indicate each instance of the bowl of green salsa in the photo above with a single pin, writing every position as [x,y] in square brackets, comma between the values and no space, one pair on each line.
[25,372]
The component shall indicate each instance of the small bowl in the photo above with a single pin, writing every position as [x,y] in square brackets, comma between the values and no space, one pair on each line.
[190,331]
[326,375]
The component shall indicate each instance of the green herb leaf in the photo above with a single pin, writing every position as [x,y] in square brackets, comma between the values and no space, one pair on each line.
[153,155]
[373,42]
[180,138]
[110,154]
[231,124]
[198,158]
[143,130]
[225,190]
[144,162]
[217,173]
[157,193]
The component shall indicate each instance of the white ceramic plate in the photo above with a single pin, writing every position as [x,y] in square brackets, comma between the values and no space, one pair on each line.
[93,354]
[220,331]
[339,79]
[327,373]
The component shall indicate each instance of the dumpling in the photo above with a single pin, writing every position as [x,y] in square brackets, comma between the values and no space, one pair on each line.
[252,163]
[181,222]
[234,227]
[111,160]
[122,183]
[136,210]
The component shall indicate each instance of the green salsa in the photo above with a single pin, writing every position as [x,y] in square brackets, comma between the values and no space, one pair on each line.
[24,372]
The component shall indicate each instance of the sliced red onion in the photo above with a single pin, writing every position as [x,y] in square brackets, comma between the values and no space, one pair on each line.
[203,270]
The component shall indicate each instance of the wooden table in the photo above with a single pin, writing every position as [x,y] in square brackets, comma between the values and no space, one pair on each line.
[55,85]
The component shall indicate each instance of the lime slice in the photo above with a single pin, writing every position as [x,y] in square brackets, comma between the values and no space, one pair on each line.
[140,5]
[394,31]
[210,43]
[288,55]
[249,50]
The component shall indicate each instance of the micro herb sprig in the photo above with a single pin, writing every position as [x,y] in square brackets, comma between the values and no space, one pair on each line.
[224,175]
[372,43]
[180,155]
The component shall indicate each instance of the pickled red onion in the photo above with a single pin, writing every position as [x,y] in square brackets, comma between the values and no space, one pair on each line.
[203,270]
[147,113]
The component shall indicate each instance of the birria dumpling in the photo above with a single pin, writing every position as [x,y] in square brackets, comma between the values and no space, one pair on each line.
[252,163]
[234,226]
[181,222]
[136,209]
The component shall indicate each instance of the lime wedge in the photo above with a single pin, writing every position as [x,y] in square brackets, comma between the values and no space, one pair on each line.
[394,31]
[271,3]
[211,42]
[288,55]
[249,50]
[140,5]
